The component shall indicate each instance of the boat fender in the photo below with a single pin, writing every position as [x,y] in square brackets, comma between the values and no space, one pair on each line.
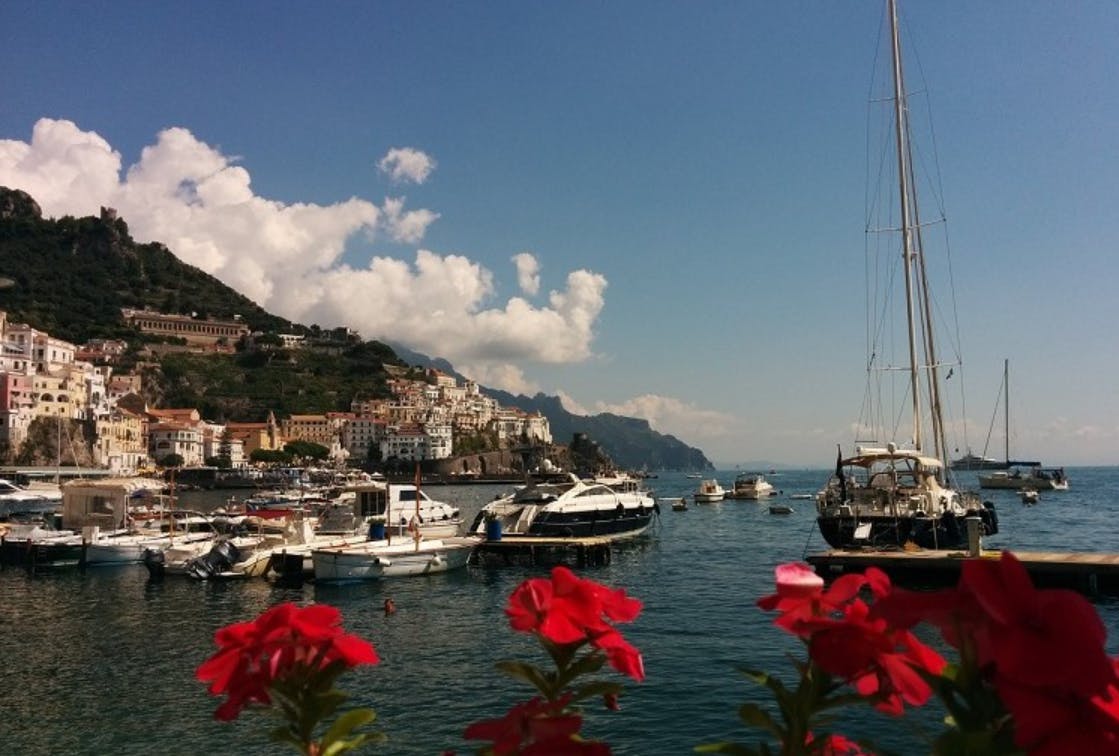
[382,562]
[437,561]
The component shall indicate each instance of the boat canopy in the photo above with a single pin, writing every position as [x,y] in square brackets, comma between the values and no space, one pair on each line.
[866,457]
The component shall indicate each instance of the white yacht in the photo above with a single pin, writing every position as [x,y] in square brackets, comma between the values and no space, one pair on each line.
[709,491]
[574,508]
[751,486]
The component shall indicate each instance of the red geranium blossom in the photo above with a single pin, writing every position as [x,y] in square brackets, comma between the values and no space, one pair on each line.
[252,655]
[569,609]
[877,659]
[800,598]
[1038,637]
[536,728]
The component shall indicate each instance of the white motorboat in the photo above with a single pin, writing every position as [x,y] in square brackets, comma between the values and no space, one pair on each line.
[129,548]
[374,560]
[17,500]
[888,495]
[751,486]
[1021,477]
[709,491]
[1029,495]
[574,508]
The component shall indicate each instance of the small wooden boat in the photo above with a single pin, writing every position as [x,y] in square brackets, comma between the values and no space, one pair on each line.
[782,509]
[679,504]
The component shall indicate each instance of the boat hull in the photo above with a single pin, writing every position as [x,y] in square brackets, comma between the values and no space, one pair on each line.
[337,565]
[947,532]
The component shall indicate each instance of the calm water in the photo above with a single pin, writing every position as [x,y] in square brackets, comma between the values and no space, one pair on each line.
[103,662]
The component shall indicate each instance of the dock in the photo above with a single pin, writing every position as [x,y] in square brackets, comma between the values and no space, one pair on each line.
[534,550]
[1087,572]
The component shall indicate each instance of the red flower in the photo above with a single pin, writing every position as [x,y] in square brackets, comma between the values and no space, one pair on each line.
[566,608]
[836,745]
[536,727]
[569,609]
[254,654]
[621,655]
[800,598]
[1037,637]
[878,660]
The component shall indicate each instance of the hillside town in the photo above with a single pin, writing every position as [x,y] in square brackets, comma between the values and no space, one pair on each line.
[45,377]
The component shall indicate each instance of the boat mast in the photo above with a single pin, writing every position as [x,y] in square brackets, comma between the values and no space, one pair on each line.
[901,132]
[1006,405]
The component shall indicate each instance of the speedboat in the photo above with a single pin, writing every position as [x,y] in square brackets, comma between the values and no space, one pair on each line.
[574,508]
[16,500]
[1029,495]
[709,491]
[751,486]
[373,560]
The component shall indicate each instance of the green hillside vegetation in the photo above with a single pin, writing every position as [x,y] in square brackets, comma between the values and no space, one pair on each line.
[245,386]
[72,276]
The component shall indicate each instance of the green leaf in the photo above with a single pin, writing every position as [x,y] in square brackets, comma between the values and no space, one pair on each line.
[587,664]
[594,689]
[527,673]
[346,724]
[754,716]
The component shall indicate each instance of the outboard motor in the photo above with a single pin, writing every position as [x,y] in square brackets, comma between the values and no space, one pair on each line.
[154,561]
[220,558]
[990,518]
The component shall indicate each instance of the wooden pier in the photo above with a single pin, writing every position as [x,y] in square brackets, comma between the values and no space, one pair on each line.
[533,550]
[1090,573]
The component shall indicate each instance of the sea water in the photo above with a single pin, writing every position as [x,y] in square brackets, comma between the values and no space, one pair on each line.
[103,661]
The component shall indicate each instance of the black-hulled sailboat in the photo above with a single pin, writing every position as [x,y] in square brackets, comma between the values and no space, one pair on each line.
[890,495]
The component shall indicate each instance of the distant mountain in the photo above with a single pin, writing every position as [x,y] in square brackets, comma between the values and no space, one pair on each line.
[629,441]
[71,277]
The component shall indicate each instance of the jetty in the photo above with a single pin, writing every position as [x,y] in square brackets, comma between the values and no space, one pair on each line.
[1087,572]
[535,550]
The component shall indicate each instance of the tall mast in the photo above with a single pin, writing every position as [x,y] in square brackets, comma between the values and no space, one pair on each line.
[901,130]
[1006,404]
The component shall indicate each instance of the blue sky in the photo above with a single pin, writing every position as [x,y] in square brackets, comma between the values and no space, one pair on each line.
[682,185]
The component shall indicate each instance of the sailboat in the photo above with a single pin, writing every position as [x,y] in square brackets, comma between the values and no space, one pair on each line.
[894,495]
[1019,474]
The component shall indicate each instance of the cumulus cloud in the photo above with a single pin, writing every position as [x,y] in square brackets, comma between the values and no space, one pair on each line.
[500,376]
[528,273]
[289,257]
[405,164]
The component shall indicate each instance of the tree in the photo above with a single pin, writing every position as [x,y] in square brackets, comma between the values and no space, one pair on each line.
[270,456]
[225,450]
[171,460]
[306,450]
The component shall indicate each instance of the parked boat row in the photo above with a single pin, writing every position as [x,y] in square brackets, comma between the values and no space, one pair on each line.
[370,530]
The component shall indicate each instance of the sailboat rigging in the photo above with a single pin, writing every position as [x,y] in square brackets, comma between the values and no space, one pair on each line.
[890,496]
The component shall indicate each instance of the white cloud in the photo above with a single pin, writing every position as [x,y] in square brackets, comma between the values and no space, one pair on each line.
[405,164]
[500,376]
[666,414]
[288,257]
[528,273]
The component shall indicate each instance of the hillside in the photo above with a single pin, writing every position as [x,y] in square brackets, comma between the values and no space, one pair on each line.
[71,277]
